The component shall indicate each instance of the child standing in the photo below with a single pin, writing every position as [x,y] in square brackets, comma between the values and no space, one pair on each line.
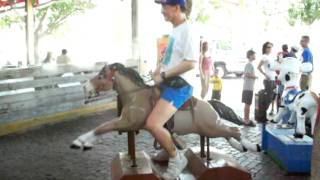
[248,86]
[217,85]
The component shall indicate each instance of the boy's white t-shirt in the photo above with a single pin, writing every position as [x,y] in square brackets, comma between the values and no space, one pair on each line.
[267,59]
[181,47]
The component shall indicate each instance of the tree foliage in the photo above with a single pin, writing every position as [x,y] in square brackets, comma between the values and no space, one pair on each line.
[202,9]
[306,11]
[48,19]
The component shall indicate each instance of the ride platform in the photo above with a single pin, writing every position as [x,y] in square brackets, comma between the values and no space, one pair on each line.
[291,154]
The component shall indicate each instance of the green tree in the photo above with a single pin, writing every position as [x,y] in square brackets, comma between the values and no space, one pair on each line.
[306,11]
[202,9]
[48,19]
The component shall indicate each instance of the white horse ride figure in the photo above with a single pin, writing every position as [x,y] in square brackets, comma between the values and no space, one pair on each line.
[302,104]
[137,97]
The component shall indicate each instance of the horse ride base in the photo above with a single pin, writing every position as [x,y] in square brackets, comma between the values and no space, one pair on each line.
[123,169]
[132,165]
[219,167]
[291,154]
[214,165]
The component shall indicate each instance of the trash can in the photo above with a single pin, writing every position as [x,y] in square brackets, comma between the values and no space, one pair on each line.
[262,102]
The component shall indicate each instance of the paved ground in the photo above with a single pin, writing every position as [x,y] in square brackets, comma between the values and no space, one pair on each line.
[44,154]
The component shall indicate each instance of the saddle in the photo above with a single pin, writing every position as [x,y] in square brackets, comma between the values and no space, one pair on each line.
[291,96]
[189,104]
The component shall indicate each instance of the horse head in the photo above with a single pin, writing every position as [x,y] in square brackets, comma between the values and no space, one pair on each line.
[103,81]
[114,76]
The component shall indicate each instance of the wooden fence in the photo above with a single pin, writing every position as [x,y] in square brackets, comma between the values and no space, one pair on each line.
[39,95]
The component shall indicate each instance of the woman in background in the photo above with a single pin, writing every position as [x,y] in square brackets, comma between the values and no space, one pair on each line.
[269,74]
[206,68]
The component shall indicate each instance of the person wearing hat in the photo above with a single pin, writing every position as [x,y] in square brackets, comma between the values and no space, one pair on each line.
[293,51]
[175,75]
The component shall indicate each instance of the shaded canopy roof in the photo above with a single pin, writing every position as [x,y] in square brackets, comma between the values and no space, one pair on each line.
[10,2]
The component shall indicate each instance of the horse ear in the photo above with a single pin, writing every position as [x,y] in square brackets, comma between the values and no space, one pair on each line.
[106,66]
[287,77]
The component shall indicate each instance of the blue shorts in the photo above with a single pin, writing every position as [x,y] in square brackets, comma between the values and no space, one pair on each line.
[176,96]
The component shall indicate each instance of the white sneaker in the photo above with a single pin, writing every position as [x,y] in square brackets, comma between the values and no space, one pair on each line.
[175,167]
[84,142]
[161,156]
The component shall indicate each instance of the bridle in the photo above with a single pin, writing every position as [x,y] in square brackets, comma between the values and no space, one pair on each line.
[110,77]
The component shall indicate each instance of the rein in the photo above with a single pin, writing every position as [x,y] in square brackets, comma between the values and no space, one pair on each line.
[291,87]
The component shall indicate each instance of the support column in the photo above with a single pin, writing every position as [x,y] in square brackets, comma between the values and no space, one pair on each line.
[29,31]
[135,32]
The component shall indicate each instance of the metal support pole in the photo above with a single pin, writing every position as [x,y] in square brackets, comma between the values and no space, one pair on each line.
[132,148]
[202,144]
[119,106]
[208,149]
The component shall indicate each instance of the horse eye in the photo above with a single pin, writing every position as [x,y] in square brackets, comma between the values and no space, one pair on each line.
[100,77]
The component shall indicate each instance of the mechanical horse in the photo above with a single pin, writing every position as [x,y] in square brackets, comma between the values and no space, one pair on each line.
[137,99]
[303,105]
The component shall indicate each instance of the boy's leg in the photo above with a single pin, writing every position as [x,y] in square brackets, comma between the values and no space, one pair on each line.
[219,95]
[246,113]
[213,96]
[247,96]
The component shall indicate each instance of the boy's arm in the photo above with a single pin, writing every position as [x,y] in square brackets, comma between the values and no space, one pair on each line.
[260,69]
[250,75]
[249,72]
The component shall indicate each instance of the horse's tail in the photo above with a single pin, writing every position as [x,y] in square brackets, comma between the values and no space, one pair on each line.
[316,98]
[244,145]
[315,163]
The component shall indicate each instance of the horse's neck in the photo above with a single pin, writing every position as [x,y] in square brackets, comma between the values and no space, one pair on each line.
[294,82]
[133,95]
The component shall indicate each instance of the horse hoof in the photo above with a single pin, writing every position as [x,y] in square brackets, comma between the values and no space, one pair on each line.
[87,148]
[273,121]
[298,136]
[259,148]
[73,146]
[160,157]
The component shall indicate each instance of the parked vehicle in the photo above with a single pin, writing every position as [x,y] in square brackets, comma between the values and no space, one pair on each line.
[227,60]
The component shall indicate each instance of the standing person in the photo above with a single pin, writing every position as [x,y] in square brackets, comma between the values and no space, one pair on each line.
[175,75]
[205,67]
[217,85]
[269,74]
[279,86]
[293,51]
[248,87]
[307,57]
[48,58]
[63,58]
[284,53]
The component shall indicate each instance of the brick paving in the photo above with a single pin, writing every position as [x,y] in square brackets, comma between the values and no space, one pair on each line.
[44,153]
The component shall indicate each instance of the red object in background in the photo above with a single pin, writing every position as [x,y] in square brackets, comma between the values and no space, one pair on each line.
[12,2]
